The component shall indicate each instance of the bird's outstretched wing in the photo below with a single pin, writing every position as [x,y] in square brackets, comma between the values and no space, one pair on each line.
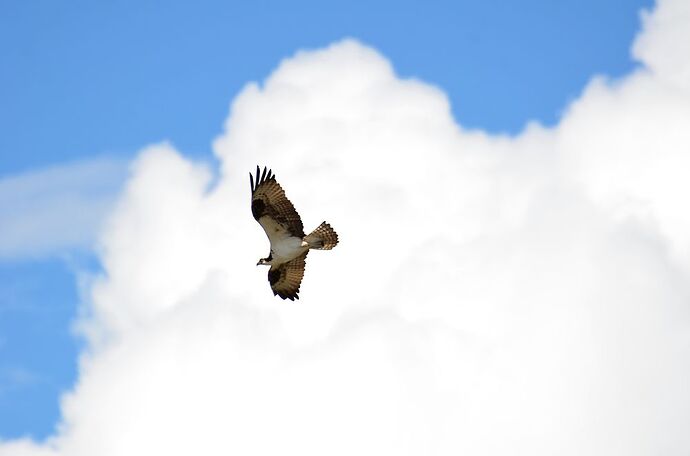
[271,208]
[286,278]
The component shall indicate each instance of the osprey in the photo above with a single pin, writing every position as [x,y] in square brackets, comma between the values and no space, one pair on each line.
[283,226]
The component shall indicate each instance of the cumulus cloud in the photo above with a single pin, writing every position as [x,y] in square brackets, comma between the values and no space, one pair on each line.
[664,47]
[490,295]
[47,211]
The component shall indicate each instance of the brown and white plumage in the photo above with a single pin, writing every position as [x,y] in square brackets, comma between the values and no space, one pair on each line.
[283,226]
[286,278]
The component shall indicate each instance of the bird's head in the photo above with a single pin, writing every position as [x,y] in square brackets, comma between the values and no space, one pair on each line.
[266,261]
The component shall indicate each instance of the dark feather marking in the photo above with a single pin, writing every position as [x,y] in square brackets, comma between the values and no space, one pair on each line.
[258,208]
[273,276]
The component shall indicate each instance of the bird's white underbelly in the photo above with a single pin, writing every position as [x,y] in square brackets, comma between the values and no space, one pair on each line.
[288,249]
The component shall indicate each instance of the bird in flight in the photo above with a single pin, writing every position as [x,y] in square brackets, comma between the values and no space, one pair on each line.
[283,226]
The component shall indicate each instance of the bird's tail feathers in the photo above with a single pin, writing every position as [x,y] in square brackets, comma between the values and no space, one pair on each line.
[323,237]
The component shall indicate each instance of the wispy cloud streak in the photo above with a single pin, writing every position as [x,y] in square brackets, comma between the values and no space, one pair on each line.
[49,211]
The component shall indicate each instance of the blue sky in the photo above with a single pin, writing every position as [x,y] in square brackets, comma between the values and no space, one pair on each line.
[103,79]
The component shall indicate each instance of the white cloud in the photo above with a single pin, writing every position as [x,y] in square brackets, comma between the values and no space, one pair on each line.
[490,295]
[24,447]
[664,46]
[48,211]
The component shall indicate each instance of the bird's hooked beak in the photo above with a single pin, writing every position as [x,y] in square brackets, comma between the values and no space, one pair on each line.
[262,261]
